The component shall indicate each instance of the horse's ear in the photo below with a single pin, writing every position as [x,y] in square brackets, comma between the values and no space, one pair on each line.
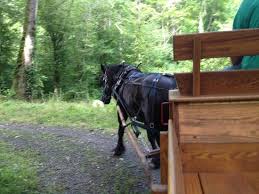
[139,65]
[123,62]
[103,68]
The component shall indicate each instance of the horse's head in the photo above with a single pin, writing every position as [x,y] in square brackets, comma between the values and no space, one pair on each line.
[110,75]
[107,84]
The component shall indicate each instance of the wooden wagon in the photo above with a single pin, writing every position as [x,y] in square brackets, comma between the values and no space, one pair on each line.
[212,144]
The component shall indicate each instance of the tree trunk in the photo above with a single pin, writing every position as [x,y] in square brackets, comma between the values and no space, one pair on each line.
[57,39]
[201,16]
[23,72]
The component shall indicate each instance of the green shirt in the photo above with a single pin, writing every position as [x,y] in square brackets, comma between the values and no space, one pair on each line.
[248,17]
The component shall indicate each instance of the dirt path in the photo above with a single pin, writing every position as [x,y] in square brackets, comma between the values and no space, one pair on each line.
[78,160]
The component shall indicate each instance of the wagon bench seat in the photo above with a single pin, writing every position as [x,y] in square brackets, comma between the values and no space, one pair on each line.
[212,143]
[223,183]
[218,144]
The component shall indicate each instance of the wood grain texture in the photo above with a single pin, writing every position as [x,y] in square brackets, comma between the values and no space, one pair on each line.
[214,98]
[253,180]
[216,139]
[196,66]
[216,183]
[175,173]
[210,157]
[175,118]
[219,122]
[218,44]
[192,183]
[164,157]
[220,83]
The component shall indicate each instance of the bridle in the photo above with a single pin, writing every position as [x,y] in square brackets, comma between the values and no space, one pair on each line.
[115,93]
[121,76]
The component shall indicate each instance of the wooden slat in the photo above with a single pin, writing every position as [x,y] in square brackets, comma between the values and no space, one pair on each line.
[221,83]
[192,183]
[196,66]
[218,44]
[225,184]
[219,122]
[175,173]
[175,118]
[253,180]
[164,157]
[205,99]
[216,139]
[220,157]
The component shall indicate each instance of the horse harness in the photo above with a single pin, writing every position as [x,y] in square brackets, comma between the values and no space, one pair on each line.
[152,93]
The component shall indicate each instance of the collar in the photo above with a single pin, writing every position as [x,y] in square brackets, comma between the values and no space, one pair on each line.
[122,75]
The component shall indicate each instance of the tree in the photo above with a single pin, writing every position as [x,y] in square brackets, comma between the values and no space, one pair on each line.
[75,36]
[10,13]
[24,70]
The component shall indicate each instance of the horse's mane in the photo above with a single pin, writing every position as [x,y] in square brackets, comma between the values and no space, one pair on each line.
[118,67]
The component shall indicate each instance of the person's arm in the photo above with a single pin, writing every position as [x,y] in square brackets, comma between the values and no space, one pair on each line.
[236,60]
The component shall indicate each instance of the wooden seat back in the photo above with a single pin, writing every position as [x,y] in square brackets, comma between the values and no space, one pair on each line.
[223,83]
[214,45]
[219,130]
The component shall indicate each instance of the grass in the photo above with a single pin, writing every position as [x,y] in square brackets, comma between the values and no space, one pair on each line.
[59,113]
[17,171]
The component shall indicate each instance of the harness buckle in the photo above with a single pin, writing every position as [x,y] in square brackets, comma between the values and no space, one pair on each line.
[151,125]
[155,80]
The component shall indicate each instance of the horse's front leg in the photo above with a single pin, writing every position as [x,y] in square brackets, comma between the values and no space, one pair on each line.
[120,148]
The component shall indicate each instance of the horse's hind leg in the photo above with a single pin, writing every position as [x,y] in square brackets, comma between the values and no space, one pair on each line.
[152,140]
[120,148]
[155,161]
[158,139]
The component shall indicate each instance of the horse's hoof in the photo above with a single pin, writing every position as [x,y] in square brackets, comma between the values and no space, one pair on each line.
[154,163]
[119,150]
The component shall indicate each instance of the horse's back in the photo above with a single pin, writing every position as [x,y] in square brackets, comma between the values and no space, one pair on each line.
[160,83]
[144,93]
[155,91]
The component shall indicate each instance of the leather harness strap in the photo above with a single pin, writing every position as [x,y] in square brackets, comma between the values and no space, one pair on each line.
[152,94]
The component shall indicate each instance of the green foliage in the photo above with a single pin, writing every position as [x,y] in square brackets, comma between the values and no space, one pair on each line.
[11,12]
[17,171]
[75,37]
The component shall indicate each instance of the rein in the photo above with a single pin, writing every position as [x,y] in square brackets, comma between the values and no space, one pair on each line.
[133,122]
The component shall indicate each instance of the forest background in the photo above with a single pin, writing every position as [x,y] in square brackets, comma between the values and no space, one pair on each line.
[73,37]
[64,42]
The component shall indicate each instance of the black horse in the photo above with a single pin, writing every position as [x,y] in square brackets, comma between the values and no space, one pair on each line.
[139,96]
